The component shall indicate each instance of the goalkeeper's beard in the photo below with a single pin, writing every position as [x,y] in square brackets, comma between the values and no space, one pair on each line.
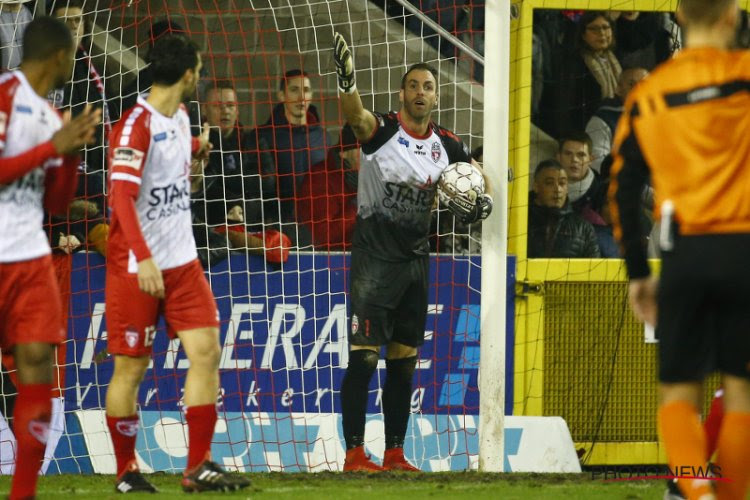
[419,115]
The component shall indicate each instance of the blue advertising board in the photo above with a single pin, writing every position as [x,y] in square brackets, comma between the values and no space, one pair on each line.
[284,349]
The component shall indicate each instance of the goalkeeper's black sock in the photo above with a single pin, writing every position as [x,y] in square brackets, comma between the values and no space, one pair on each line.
[397,399]
[362,364]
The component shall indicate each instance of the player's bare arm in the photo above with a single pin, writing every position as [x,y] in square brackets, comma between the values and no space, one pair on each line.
[361,120]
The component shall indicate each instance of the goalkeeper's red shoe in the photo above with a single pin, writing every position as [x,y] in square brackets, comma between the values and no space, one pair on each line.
[357,461]
[394,460]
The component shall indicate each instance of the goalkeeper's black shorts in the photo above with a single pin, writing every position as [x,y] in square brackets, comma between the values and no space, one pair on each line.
[704,308]
[388,300]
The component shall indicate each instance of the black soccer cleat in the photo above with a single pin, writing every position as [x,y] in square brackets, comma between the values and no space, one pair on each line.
[209,476]
[133,481]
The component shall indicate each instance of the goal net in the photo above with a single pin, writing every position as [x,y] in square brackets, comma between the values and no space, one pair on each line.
[283,322]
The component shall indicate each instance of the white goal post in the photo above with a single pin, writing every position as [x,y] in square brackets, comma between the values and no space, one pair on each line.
[494,237]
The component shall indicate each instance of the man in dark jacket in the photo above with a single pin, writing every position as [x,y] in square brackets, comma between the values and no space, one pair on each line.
[233,178]
[228,211]
[555,231]
[297,140]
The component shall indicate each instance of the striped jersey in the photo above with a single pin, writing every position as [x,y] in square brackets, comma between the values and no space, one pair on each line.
[26,121]
[150,156]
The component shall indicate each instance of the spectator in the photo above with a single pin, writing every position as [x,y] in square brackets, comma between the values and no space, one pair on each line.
[231,182]
[644,39]
[555,230]
[85,87]
[586,189]
[602,126]
[297,141]
[14,17]
[232,177]
[585,76]
[327,202]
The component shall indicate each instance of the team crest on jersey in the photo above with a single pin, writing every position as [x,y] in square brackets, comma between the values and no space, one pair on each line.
[436,152]
[131,336]
[355,324]
[403,142]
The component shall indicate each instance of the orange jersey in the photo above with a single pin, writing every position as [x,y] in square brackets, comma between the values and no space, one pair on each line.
[687,126]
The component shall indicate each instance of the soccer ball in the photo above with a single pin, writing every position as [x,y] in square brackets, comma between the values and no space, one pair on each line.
[460,178]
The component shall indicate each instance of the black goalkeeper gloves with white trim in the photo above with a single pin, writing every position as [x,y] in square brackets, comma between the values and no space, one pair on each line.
[342,56]
[470,211]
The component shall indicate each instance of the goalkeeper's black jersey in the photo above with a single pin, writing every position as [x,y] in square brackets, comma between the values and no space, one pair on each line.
[398,178]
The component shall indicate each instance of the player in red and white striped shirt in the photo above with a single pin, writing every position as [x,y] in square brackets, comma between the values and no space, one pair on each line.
[152,267]
[38,166]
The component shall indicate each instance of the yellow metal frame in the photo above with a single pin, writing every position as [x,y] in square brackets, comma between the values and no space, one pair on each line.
[529,347]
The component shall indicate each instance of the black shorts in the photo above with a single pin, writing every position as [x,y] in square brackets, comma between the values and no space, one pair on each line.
[388,300]
[704,308]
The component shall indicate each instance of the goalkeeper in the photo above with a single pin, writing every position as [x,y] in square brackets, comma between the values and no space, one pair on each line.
[403,156]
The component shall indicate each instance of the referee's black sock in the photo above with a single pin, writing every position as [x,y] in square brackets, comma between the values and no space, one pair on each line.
[362,364]
[397,399]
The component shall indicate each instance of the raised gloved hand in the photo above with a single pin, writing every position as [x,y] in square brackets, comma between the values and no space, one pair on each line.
[470,211]
[342,56]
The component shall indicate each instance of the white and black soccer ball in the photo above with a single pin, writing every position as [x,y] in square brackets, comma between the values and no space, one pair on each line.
[460,178]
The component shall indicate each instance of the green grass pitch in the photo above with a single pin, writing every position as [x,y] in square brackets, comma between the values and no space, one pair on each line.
[385,486]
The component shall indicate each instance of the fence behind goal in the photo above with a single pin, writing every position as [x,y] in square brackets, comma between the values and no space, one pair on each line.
[283,326]
[579,352]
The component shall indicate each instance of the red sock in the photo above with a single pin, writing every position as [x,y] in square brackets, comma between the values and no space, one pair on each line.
[31,426]
[712,425]
[201,421]
[124,431]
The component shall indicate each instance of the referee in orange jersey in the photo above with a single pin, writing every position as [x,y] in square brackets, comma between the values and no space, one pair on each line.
[687,127]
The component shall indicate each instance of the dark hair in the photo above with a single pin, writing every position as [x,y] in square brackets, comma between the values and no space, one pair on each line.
[164,27]
[53,5]
[217,85]
[546,164]
[421,67]
[292,73]
[44,37]
[587,18]
[575,136]
[171,57]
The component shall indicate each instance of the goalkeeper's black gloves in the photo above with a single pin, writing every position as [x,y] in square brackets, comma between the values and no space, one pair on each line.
[470,211]
[342,56]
